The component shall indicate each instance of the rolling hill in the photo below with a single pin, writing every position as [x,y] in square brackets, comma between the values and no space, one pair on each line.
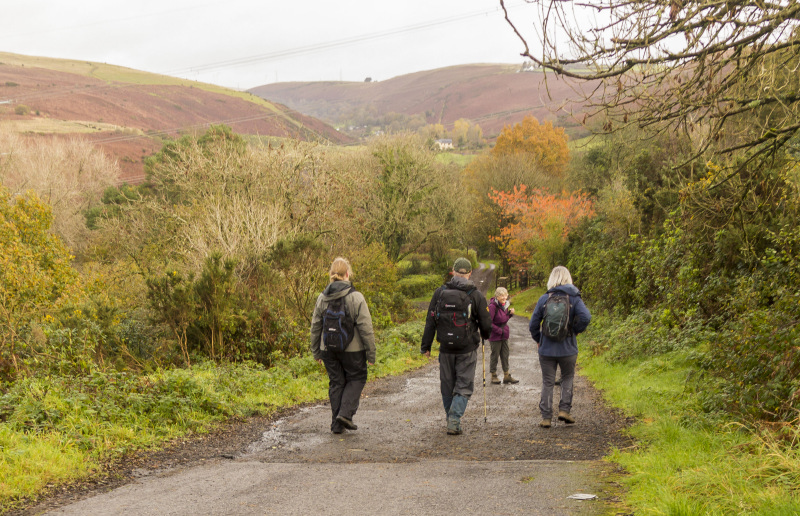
[128,112]
[492,95]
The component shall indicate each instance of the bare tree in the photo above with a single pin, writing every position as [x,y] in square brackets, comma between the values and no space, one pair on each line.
[724,72]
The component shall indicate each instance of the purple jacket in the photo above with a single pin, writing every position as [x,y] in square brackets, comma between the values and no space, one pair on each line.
[499,317]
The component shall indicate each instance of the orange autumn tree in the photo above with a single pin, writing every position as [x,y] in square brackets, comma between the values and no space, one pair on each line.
[544,144]
[538,225]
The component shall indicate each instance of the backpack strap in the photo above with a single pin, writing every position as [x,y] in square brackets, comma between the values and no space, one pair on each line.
[350,291]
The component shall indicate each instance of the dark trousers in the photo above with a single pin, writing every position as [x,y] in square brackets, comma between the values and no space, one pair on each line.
[499,350]
[456,376]
[549,366]
[347,375]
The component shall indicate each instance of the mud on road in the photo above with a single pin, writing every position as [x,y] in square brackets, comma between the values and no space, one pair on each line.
[401,435]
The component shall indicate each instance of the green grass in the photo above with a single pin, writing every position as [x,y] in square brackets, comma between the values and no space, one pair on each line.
[687,462]
[585,143]
[525,301]
[462,160]
[58,429]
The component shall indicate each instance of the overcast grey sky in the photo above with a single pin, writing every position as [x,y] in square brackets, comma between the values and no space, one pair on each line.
[246,43]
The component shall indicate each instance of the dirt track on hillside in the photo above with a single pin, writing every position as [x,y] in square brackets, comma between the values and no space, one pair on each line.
[401,433]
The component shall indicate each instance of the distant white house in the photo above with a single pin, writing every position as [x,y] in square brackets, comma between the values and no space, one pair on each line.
[444,143]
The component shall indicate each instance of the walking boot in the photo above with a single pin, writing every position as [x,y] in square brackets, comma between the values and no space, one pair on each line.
[565,417]
[457,408]
[508,379]
[545,423]
[346,422]
[453,426]
[495,379]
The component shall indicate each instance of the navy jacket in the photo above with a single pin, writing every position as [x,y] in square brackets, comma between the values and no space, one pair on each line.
[579,321]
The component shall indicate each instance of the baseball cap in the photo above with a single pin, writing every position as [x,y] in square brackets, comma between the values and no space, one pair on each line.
[462,266]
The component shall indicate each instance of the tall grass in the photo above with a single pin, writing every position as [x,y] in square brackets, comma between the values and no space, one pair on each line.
[686,461]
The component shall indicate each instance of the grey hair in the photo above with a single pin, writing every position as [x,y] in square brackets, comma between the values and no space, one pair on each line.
[559,276]
[500,291]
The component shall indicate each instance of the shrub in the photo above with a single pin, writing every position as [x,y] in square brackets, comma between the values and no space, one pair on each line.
[420,285]
[35,273]
[756,362]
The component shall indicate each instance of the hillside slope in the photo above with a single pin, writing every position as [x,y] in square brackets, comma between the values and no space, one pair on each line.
[127,112]
[492,95]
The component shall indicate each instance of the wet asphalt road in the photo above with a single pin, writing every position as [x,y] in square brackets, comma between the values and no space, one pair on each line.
[400,460]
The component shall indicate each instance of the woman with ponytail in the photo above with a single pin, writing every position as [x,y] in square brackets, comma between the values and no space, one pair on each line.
[347,367]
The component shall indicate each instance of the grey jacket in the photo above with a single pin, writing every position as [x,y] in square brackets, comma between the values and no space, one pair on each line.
[364,336]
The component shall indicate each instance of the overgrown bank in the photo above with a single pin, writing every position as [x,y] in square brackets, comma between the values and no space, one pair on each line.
[687,460]
[64,428]
[698,284]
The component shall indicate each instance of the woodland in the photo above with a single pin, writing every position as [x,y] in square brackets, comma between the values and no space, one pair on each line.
[133,314]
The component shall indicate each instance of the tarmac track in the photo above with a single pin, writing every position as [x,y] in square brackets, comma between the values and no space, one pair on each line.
[400,460]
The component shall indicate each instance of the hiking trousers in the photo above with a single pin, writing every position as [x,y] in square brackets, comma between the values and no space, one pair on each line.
[499,350]
[347,376]
[549,366]
[457,376]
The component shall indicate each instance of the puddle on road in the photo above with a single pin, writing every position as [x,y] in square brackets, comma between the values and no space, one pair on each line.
[279,436]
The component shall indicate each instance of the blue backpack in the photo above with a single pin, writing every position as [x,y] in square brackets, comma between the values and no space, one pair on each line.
[338,326]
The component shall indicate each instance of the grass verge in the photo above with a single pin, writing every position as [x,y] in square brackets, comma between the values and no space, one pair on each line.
[59,429]
[524,301]
[688,462]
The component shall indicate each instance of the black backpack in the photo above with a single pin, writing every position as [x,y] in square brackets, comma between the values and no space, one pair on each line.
[338,326]
[452,315]
[555,323]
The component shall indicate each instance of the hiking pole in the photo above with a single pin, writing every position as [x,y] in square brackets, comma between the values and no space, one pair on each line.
[483,355]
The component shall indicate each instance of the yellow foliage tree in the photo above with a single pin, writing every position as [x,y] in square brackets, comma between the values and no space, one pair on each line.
[459,134]
[546,145]
[35,269]
[432,131]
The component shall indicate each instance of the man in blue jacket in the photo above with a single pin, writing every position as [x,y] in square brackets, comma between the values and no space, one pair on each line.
[458,316]
[555,352]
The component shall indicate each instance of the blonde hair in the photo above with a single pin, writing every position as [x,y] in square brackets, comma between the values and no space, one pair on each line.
[500,291]
[339,269]
[559,276]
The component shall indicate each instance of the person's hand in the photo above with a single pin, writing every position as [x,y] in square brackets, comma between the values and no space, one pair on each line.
[427,354]
[511,311]
[319,361]
[370,363]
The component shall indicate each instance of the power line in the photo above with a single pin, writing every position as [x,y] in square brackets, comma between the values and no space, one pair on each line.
[282,54]
[260,58]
